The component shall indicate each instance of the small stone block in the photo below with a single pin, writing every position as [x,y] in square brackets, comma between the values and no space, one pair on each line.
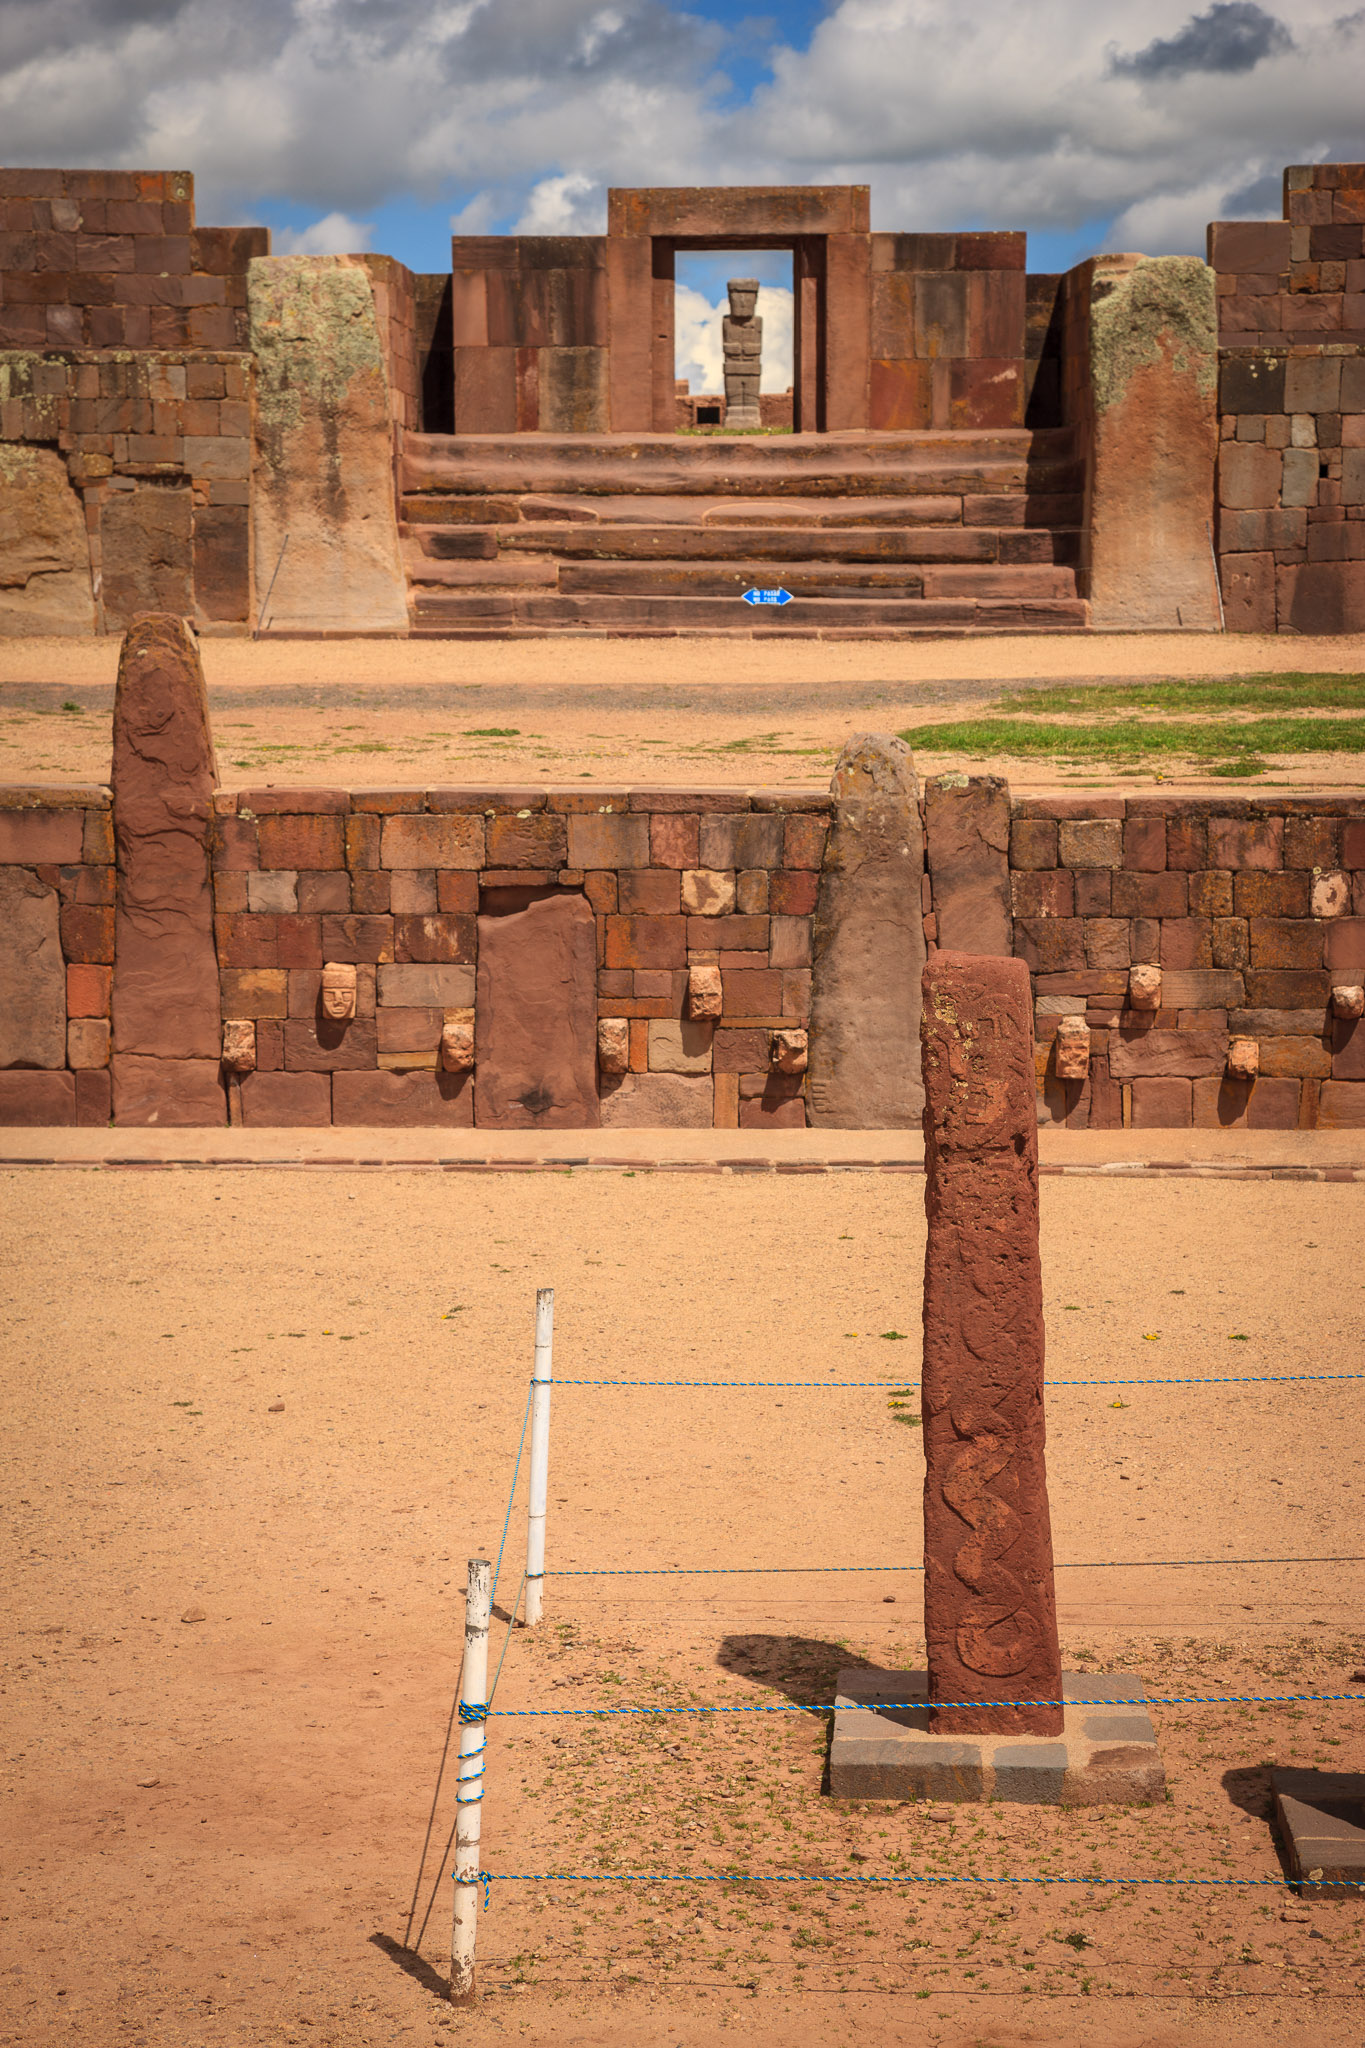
[1106,1754]
[613,1045]
[1321,1820]
[1144,988]
[1072,1049]
[788,1051]
[1244,1058]
[708,892]
[239,1045]
[1348,1002]
[457,1042]
[703,992]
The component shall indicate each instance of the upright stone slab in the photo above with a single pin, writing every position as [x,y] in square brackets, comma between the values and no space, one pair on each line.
[166,1016]
[536,1018]
[324,450]
[967,828]
[1152,327]
[990,1616]
[868,945]
[32,973]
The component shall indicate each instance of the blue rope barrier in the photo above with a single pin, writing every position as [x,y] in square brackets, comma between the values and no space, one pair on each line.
[475,1713]
[722,1571]
[1260,1379]
[489,1878]
[1190,1699]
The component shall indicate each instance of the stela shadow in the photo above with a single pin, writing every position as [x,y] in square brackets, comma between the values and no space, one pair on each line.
[1248,1787]
[802,1668]
[412,1965]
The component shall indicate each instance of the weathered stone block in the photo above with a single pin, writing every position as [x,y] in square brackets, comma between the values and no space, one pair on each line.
[403,1101]
[286,1101]
[537,1017]
[657,1101]
[967,826]
[165,1001]
[175,1093]
[457,1042]
[301,840]
[1134,1052]
[1091,843]
[1246,843]
[708,892]
[420,985]
[1033,843]
[1162,1104]
[680,1045]
[30,1097]
[613,1045]
[33,975]
[743,841]
[609,840]
[646,942]
[452,841]
[87,1042]
[704,992]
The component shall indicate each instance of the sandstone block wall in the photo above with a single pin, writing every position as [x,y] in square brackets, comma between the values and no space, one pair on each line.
[529,334]
[113,259]
[947,318]
[1291,470]
[141,463]
[1252,908]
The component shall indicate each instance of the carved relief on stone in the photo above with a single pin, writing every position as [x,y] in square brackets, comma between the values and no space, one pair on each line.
[742,340]
[1144,988]
[703,992]
[1244,1059]
[989,1606]
[787,1051]
[1071,1055]
[457,1042]
[613,1045]
[338,991]
[239,1045]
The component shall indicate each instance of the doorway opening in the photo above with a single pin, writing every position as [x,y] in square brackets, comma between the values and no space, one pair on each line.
[700,281]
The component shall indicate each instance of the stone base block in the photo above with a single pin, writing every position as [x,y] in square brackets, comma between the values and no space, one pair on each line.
[1106,1754]
[1321,1819]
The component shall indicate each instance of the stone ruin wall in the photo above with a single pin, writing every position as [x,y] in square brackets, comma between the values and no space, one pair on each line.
[1291,468]
[1253,908]
[137,468]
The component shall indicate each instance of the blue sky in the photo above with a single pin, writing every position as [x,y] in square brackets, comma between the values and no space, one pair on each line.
[384,123]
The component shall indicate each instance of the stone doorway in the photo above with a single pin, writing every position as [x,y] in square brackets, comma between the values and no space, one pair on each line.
[536,1012]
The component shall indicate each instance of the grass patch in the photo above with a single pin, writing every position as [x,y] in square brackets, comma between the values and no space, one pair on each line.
[1238,745]
[1116,723]
[1301,691]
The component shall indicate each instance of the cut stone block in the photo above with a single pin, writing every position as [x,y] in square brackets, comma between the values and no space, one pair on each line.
[1105,1755]
[1321,1821]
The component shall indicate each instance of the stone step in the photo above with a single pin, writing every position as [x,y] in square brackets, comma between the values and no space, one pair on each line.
[1002,508]
[797,465]
[493,613]
[426,545]
[730,580]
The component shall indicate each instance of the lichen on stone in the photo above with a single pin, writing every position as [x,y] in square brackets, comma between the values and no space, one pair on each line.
[313,331]
[1164,306]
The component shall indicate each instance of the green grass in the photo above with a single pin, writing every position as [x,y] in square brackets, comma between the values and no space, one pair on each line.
[1137,722]
[1302,691]
[1241,746]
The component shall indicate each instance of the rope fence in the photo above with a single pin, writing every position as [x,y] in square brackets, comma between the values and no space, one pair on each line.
[475,1698]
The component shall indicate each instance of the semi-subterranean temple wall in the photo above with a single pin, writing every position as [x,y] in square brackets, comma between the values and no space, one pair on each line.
[192,425]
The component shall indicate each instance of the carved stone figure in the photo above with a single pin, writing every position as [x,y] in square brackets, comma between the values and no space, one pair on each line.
[338,991]
[742,338]
[990,1615]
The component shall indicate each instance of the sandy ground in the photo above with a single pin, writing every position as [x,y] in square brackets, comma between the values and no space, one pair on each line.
[290,1404]
[384,713]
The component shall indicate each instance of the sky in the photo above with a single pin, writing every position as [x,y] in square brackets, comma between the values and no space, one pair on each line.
[388,124]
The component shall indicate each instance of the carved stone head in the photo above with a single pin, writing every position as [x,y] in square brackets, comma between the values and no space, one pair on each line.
[338,991]
[743,297]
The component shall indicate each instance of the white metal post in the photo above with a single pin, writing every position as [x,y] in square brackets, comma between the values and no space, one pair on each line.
[541,1379]
[473,1734]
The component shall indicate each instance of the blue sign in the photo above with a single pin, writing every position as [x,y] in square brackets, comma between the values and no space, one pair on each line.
[767,597]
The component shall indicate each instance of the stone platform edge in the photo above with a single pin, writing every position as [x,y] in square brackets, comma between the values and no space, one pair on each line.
[1115,1169]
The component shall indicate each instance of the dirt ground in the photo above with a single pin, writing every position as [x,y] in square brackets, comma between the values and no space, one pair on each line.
[383,713]
[289,1407]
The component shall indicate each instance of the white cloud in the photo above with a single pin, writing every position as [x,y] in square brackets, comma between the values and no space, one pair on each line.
[698,351]
[1152,112]
[336,234]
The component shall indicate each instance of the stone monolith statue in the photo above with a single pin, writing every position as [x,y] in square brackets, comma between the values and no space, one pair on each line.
[742,336]
[990,1615]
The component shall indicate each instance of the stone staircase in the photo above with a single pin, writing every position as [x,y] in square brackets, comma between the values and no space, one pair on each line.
[873,535]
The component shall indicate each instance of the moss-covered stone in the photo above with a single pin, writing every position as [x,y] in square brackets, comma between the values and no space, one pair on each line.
[1163,306]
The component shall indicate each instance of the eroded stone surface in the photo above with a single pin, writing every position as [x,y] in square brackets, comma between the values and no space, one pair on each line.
[967,825]
[666,1102]
[537,1018]
[989,1606]
[239,1044]
[1071,1057]
[44,549]
[1144,988]
[166,996]
[32,974]
[868,945]
[613,1044]
[704,992]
